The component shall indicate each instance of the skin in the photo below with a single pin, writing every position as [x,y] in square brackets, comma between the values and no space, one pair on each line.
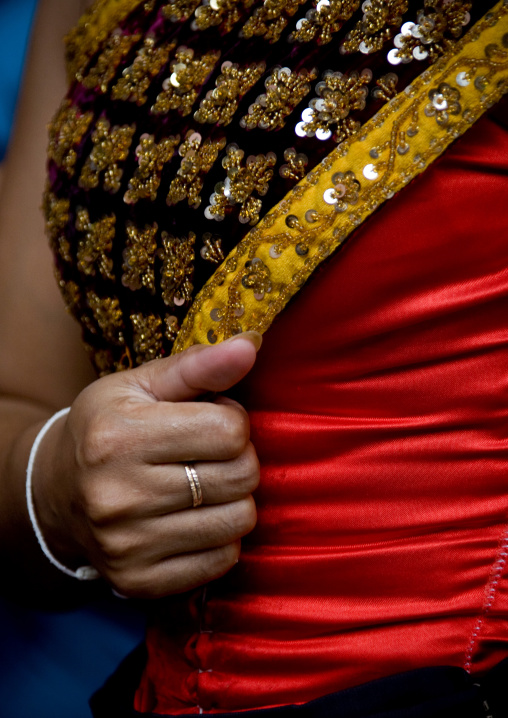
[109,483]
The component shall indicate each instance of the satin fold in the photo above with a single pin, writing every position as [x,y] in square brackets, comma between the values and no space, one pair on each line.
[379,411]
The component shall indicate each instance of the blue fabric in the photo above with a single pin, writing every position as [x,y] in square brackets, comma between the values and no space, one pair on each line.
[15,21]
[51,663]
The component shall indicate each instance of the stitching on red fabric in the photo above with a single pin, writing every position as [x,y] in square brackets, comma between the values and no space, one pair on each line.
[490,595]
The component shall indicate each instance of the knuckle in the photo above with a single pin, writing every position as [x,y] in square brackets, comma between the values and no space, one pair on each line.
[235,430]
[100,443]
[249,470]
[241,517]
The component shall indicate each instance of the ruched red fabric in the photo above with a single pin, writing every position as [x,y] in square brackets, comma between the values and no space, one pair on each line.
[379,409]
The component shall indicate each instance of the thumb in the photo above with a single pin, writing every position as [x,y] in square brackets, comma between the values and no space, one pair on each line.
[200,369]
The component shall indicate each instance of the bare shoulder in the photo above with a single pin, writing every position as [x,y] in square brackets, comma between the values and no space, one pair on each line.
[41,354]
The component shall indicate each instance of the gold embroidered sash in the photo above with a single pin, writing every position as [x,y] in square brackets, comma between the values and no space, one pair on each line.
[275,259]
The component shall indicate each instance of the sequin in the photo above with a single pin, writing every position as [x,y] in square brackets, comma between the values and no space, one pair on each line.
[370,172]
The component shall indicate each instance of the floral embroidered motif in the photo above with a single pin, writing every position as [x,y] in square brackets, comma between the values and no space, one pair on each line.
[139,257]
[172,327]
[147,339]
[269,20]
[285,90]
[111,146]
[181,88]
[220,104]
[338,96]
[444,101]
[178,10]
[103,72]
[322,21]
[211,251]
[386,87]
[70,294]
[380,19]
[65,134]
[240,184]
[177,256]
[95,248]
[136,79]
[108,316]
[56,213]
[296,164]
[428,36]
[197,160]
[225,13]
[151,159]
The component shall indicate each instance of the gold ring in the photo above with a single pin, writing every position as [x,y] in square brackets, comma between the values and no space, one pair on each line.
[195,486]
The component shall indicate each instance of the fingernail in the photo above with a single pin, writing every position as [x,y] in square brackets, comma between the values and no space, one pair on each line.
[254,337]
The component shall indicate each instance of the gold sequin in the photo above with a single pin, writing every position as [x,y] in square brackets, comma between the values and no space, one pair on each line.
[139,257]
[66,131]
[269,20]
[284,91]
[211,251]
[380,19]
[151,157]
[136,78]
[177,256]
[188,74]
[220,104]
[95,249]
[111,146]
[108,316]
[325,19]
[147,339]
[444,101]
[103,72]
[56,213]
[240,185]
[197,160]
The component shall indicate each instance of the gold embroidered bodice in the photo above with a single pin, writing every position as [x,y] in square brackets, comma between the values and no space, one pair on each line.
[185,122]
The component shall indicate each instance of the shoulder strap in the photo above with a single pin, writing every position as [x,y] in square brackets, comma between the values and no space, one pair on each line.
[270,265]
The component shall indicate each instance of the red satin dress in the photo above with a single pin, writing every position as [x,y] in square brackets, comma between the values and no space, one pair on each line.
[379,410]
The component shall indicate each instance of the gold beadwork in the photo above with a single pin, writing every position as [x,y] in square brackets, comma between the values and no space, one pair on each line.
[285,90]
[380,19]
[211,251]
[172,327]
[325,19]
[220,104]
[93,29]
[197,161]
[402,139]
[103,72]
[136,78]
[270,19]
[429,37]
[181,88]
[111,146]
[151,157]
[147,337]
[56,213]
[94,250]
[240,184]
[296,164]
[108,316]
[178,10]
[225,13]
[338,96]
[70,294]
[177,256]
[386,87]
[65,133]
[139,257]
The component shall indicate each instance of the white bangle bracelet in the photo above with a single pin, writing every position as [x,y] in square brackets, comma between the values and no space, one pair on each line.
[84,573]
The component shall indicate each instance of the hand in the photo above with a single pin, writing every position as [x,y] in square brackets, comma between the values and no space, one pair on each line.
[111,487]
